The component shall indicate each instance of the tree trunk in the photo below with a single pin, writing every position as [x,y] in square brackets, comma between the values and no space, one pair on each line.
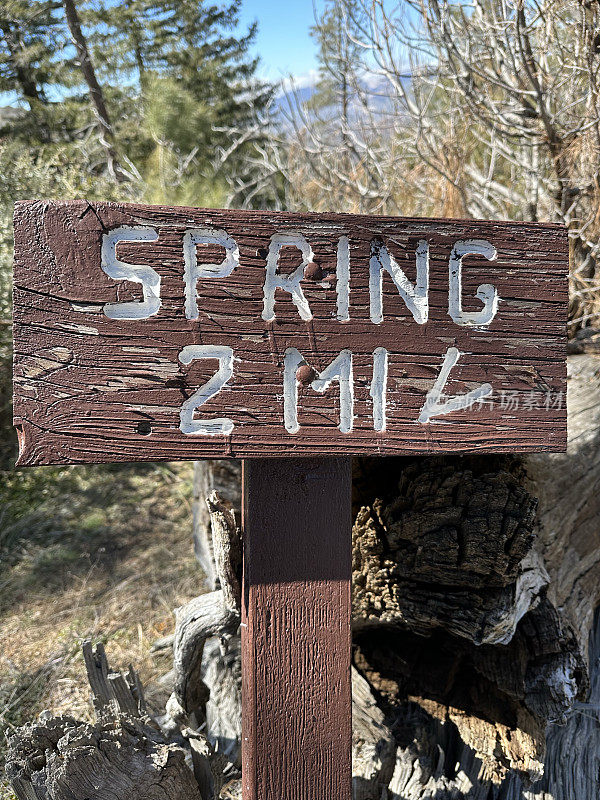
[22,68]
[25,75]
[107,137]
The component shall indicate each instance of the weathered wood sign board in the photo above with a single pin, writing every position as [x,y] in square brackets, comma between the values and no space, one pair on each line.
[148,333]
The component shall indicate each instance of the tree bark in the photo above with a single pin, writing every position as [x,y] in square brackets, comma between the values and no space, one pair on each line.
[107,137]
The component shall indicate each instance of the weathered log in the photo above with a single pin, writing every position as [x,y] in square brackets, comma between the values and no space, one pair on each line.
[433,596]
[216,614]
[222,477]
[472,723]
[573,750]
[441,546]
[202,618]
[227,551]
[222,674]
[123,755]
[433,760]
[373,743]
[451,613]
[568,488]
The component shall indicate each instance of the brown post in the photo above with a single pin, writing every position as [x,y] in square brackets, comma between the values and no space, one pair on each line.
[296,638]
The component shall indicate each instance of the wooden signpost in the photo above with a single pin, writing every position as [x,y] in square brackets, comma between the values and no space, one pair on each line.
[146,333]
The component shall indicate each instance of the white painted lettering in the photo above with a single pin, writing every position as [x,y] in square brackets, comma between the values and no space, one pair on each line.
[379,387]
[209,427]
[486,292]
[342,274]
[194,271]
[339,370]
[415,296]
[289,283]
[136,273]
[435,406]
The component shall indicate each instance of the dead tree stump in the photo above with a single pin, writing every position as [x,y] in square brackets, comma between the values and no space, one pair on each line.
[123,755]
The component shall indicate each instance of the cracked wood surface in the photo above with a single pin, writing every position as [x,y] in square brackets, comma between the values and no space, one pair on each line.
[90,389]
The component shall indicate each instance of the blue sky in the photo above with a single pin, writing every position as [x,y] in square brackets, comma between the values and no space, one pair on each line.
[283,42]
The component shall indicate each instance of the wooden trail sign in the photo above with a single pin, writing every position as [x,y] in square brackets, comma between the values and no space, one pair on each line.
[146,333]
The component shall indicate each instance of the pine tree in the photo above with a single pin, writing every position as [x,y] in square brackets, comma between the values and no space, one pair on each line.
[164,89]
[337,32]
[32,37]
[193,74]
[31,33]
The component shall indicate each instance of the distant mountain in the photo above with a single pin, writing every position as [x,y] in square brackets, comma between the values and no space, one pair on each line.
[291,97]
[376,87]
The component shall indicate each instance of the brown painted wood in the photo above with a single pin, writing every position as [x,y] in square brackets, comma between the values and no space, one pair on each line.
[89,388]
[296,693]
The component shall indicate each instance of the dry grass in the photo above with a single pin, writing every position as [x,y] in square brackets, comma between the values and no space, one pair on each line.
[88,552]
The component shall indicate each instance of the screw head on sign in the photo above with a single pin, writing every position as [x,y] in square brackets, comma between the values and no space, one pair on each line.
[305,374]
[313,272]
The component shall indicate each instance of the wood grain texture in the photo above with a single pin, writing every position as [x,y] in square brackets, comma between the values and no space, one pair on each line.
[90,389]
[296,726]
